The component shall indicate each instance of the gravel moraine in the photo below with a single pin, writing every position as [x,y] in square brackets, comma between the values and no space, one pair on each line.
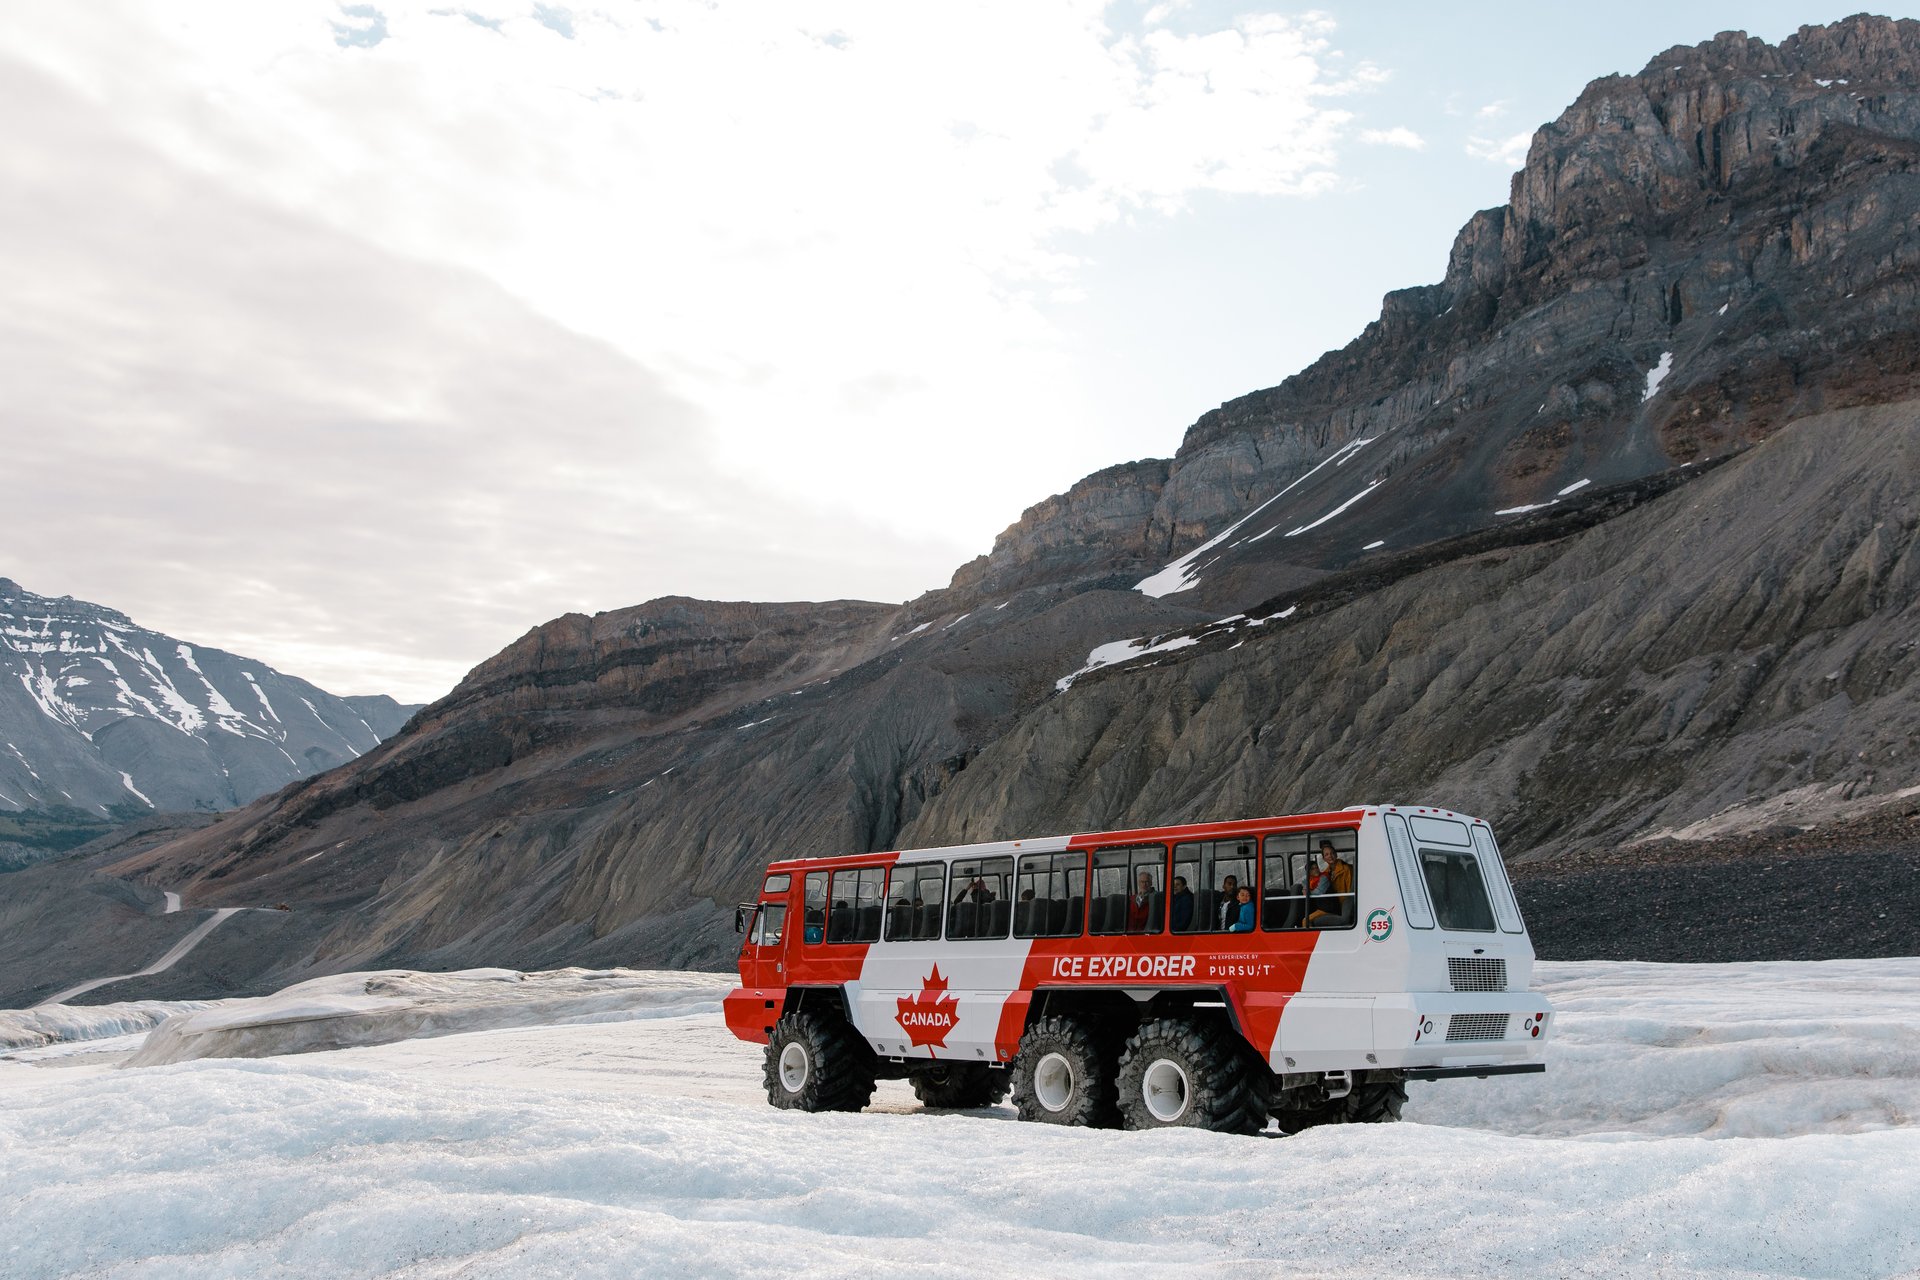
[1848,890]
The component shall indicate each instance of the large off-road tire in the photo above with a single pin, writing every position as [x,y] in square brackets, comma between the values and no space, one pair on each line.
[959,1084]
[1376,1103]
[1186,1073]
[816,1063]
[1064,1075]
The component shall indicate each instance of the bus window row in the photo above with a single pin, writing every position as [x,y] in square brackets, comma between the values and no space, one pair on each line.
[1281,883]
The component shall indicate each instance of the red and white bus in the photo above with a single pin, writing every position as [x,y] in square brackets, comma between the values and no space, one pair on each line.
[1217,975]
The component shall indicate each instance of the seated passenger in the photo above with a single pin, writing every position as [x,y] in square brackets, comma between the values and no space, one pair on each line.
[1333,877]
[976,891]
[1317,881]
[816,925]
[1182,905]
[1140,904]
[1242,921]
[1229,891]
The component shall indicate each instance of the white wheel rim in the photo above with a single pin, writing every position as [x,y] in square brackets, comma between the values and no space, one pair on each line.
[1053,1082]
[1165,1090]
[793,1067]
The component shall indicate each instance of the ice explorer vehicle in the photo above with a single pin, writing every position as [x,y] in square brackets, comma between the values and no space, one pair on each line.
[1300,969]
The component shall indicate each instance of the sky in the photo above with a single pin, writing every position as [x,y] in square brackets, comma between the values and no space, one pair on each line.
[361,338]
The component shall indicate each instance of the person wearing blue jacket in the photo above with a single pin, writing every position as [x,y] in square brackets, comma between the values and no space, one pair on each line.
[1240,919]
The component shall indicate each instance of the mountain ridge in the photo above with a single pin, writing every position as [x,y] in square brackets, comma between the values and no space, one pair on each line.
[104,719]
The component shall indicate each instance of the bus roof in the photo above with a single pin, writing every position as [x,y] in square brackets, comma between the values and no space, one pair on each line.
[1349,816]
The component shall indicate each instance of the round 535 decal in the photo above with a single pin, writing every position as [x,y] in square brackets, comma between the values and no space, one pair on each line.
[1379,925]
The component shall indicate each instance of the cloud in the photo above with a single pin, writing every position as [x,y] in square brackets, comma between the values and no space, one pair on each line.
[247,429]
[1493,110]
[1509,152]
[478,294]
[1398,136]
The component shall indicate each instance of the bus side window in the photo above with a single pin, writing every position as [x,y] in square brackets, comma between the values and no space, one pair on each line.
[979,898]
[1207,867]
[915,895]
[1119,904]
[1052,896]
[816,907]
[855,913]
[1283,904]
[1332,893]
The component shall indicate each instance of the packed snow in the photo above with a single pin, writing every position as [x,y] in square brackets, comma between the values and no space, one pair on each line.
[126,780]
[1371,546]
[1184,573]
[261,694]
[1657,375]
[1115,651]
[71,1025]
[1531,506]
[1575,487]
[1750,1120]
[356,1009]
[1294,533]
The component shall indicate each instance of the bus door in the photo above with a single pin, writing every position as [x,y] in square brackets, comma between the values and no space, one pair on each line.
[763,960]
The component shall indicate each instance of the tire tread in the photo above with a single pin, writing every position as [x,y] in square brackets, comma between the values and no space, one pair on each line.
[841,1075]
[1229,1085]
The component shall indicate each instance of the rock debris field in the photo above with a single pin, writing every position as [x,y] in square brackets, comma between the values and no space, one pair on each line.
[1849,889]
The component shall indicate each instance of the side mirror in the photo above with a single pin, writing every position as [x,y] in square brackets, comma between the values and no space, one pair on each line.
[740,918]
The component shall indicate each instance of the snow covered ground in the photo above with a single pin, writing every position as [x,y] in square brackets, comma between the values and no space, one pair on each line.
[1743,1120]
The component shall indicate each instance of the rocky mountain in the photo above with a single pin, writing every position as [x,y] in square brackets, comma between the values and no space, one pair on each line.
[1691,257]
[1609,536]
[101,719]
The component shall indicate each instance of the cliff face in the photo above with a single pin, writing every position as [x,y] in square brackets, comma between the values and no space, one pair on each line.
[1590,538]
[1691,257]
[1746,637]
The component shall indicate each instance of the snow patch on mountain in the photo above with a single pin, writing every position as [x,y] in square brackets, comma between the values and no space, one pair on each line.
[1294,533]
[73,675]
[1657,375]
[1184,573]
[1115,651]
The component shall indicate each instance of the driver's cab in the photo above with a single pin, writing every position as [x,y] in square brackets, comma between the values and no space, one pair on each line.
[762,963]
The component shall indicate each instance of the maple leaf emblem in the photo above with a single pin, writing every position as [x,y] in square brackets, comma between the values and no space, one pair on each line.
[928,1016]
